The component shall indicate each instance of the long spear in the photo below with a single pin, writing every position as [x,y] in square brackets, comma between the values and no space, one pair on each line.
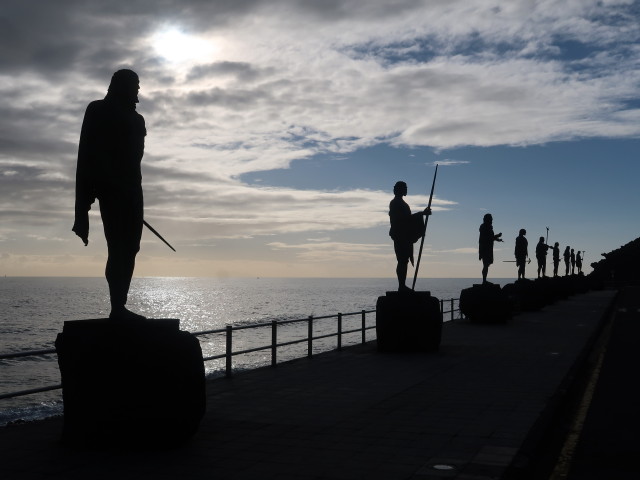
[153,230]
[424,233]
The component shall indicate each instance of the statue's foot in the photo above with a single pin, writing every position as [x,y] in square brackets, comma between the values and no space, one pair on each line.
[404,288]
[122,313]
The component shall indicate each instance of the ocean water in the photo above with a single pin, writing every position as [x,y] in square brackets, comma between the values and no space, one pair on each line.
[34,309]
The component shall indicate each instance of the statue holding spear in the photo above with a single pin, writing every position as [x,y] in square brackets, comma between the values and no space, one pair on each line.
[406,229]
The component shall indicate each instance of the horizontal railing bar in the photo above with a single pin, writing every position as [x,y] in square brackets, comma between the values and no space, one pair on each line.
[291,342]
[208,332]
[328,335]
[214,357]
[357,313]
[251,350]
[297,320]
[323,317]
[32,353]
[30,391]
[355,330]
[249,326]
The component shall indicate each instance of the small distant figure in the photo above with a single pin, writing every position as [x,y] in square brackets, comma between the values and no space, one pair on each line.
[556,258]
[109,155]
[579,262]
[567,259]
[573,262]
[485,244]
[406,229]
[541,257]
[521,252]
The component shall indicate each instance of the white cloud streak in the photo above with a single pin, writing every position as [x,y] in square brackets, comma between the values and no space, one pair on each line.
[448,163]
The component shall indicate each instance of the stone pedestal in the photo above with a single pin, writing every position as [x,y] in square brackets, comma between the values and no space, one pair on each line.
[408,321]
[133,384]
[485,303]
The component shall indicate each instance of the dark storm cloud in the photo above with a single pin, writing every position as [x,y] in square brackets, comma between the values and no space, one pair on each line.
[43,36]
[17,180]
[58,37]
[55,37]
[33,196]
[19,146]
[339,10]
[30,133]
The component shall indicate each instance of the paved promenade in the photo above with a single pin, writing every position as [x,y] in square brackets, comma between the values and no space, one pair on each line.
[476,410]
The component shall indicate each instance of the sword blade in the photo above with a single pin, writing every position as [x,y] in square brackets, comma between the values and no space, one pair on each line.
[153,230]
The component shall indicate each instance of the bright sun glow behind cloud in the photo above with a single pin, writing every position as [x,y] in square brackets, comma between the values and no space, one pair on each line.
[176,46]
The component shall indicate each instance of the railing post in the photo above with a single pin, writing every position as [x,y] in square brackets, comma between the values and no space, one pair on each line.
[452,309]
[274,342]
[310,337]
[339,331]
[229,351]
[442,306]
[364,326]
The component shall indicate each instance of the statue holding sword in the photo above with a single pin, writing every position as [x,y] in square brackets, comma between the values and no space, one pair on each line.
[108,169]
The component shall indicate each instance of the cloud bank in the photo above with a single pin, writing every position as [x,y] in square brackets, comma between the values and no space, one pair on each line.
[282,80]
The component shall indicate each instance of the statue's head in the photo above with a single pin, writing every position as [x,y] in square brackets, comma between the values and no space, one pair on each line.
[125,85]
[400,188]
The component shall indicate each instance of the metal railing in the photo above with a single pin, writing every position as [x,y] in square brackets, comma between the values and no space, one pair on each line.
[309,339]
[273,346]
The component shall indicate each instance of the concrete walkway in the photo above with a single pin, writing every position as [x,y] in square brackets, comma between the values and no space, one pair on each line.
[470,411]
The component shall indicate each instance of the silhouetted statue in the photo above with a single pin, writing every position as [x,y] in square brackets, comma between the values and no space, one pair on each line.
[556,258]
[485,244]
[109,156]
[541,256]
[573,262]
[567,259]
[579,262]
[406,229]
[521,252]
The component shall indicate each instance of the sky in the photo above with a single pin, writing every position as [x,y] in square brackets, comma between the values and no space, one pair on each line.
[277,129]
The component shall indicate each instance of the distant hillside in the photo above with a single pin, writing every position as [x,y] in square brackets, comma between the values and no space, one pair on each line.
[621,265]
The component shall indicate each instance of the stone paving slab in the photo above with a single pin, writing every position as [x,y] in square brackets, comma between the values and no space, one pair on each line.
[464,412]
